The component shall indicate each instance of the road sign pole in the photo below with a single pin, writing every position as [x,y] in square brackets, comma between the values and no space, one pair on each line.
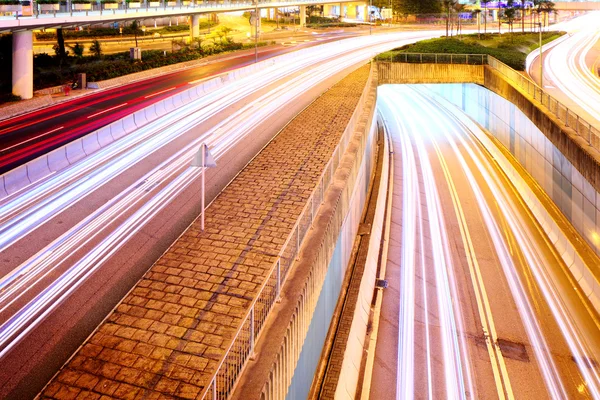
[203,182]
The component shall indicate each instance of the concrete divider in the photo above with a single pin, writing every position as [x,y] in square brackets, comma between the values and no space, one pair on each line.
[104,136]
[117,130]
[129,123]
[139,118]
[38,169]
[57,159]
[151,113]
[90,143]
[13,180]
[160,108]
[3,192]
[75,151]
[169,105]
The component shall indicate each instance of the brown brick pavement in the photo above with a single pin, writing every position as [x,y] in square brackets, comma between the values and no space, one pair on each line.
[166,336]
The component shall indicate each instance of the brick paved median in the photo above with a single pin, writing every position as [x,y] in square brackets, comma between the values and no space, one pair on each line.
[166,337]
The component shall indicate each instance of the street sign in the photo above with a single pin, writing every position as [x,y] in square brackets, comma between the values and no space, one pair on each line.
[203,159]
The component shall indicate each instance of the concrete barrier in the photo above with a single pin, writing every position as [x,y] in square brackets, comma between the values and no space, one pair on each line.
[139,118]
[3,192]
[151,113]
[90,143]
[16,179]
[160,108]
[57,159]
[117,130]
[75,151]
[129,124]
[38,169]
[104,136]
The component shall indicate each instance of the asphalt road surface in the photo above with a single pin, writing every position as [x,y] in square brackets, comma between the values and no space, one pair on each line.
[480,305]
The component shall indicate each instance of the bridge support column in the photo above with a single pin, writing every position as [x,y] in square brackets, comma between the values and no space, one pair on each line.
[22,64]
[351,11]
[194,21]
[302,15]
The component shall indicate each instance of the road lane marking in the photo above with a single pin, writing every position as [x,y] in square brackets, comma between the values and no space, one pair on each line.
[33,138]
[481,296]
[107,110]
[161,92]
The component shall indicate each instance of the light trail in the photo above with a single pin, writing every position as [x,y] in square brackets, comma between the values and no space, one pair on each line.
[565,65]
[415,115]
[114,223]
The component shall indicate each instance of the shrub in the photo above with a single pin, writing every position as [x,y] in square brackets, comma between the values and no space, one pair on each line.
[96,48]
[77,49]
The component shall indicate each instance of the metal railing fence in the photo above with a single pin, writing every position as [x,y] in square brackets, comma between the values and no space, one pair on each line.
[583,128]
[241,347]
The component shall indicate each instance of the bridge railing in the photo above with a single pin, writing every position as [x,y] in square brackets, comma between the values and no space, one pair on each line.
[584,129]
[241,348]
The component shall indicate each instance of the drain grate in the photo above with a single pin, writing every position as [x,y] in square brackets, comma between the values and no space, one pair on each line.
[514,350]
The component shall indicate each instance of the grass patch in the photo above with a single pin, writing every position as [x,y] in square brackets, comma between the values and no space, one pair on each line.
[510,48]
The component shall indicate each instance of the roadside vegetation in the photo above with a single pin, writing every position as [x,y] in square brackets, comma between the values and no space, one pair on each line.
[128,31]
[512,49]
[55,70]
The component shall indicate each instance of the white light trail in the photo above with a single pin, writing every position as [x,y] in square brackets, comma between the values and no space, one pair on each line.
[73,184]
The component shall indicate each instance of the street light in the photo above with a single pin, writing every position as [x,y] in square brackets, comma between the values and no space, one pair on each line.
[541,59]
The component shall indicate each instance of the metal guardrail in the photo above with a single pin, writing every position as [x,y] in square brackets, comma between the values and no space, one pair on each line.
[438,58]
[583,128]
[241,348]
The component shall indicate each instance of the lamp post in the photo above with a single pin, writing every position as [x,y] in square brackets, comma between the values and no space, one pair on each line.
[541,60]
[256,22]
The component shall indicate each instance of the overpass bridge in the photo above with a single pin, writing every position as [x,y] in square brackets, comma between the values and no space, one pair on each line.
[22,26]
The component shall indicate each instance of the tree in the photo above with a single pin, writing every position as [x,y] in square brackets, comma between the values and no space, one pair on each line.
[416,6]
[546,7]
[459,8]
[60,41]
[77,50]
[510,13]
[134,27]
[96,48]
[485,15]
[448,7]
[477,15]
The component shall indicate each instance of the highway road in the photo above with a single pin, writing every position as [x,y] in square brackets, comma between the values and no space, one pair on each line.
[480,305]
[27,136]
[571,67]
[74,243]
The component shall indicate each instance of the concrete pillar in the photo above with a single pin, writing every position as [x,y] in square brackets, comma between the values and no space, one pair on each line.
[350,10]
[494,15]
[194,21]
[302,15]
[22,64]
[327,10]
[342,13]
[366,13]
